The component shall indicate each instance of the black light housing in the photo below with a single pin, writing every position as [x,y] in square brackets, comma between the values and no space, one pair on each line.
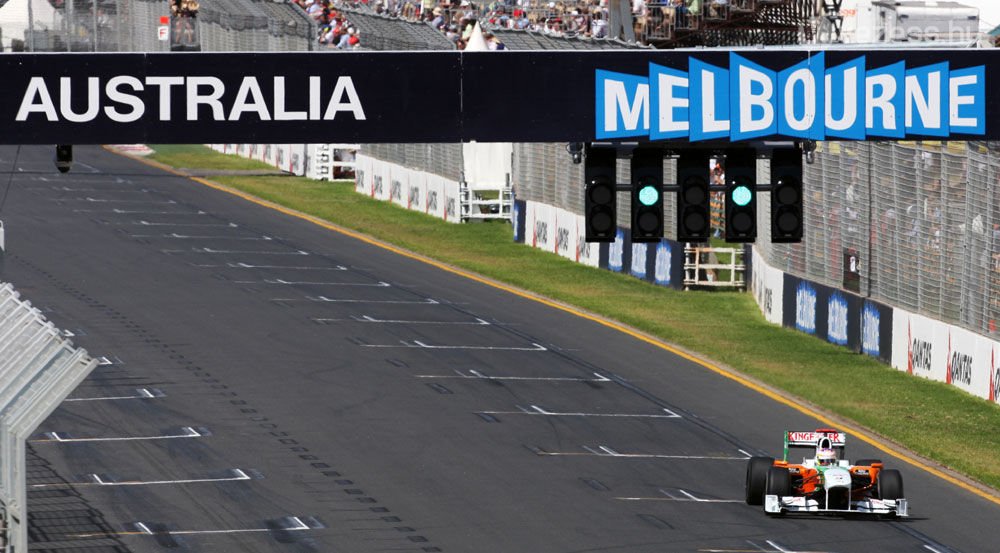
[694,202]
[741,196]
[786,196]
[647,195]
[600,196]
[64,157]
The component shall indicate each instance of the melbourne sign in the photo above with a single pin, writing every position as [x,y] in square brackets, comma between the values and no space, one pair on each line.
[807,100]
[537,96]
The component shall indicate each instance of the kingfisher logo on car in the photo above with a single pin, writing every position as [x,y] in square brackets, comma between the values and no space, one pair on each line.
[836,438]
[807,100]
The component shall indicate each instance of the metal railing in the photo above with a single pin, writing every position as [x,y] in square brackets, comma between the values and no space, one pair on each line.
[706,267]
[38,369]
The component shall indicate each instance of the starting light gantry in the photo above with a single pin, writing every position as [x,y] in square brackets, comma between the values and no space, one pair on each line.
[683,101]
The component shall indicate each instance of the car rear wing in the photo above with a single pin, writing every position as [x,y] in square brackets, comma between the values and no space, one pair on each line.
[821,437]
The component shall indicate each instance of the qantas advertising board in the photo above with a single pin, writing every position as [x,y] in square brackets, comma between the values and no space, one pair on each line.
[688,96]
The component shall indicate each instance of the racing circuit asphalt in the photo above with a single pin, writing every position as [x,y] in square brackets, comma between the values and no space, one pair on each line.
[271,385]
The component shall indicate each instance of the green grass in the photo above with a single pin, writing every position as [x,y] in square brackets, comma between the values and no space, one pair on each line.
[188,157]
[932,419]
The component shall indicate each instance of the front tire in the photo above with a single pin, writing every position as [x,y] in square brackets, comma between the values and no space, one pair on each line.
[757,469]
[779,482]
[890,484]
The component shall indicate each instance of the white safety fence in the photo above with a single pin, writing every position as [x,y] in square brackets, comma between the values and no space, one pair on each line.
[768,287]
[315,161]
[38,369]
[559,231]
[410,188]
[942,352]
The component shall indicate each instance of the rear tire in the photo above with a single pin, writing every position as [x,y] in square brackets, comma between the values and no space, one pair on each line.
[757,469]
[890,484]
[866,462]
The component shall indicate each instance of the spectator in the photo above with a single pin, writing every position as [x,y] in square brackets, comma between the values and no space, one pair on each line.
[438,21]
[718,174]
[345,39]
[680,11]
[314,9]
[598,25]
[493,43]
[717,8]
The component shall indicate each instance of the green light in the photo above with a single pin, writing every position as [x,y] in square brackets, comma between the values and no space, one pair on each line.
[741,195]
[649,195]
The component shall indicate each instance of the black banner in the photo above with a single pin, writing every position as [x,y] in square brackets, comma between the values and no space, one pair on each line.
[876,330]
[836,316]
[191,98]
[520,219]
[705,96]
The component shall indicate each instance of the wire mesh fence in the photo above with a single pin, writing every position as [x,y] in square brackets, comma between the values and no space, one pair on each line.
[923,219]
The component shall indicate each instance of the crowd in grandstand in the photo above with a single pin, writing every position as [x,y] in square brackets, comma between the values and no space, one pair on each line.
[334,29]
[456,19]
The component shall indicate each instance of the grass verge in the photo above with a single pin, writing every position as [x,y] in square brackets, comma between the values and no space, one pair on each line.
[930,418]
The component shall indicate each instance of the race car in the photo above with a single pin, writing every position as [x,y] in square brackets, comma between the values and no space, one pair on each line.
[824,483]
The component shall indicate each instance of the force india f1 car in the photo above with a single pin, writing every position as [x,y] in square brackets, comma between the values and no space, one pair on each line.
[824,483]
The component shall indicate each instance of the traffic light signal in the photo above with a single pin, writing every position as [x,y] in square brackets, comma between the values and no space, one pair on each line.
[600,211]
[741,201]
[647,195]
[64,157]
[694,209]
[786,196]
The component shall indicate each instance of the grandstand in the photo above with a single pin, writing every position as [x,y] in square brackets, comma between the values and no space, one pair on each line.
[536,24]
[737,23]
[380,31]
[133,26]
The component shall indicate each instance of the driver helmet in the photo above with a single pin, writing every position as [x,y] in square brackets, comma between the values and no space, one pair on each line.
[826,457]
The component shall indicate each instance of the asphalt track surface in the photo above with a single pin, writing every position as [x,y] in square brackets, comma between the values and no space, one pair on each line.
[271,385]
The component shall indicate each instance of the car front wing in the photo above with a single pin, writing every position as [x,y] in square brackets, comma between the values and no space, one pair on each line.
[797,504]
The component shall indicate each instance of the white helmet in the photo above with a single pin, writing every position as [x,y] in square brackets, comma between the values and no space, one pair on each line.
[826,457]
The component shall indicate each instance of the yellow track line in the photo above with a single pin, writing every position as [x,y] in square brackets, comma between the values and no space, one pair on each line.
[855,432]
